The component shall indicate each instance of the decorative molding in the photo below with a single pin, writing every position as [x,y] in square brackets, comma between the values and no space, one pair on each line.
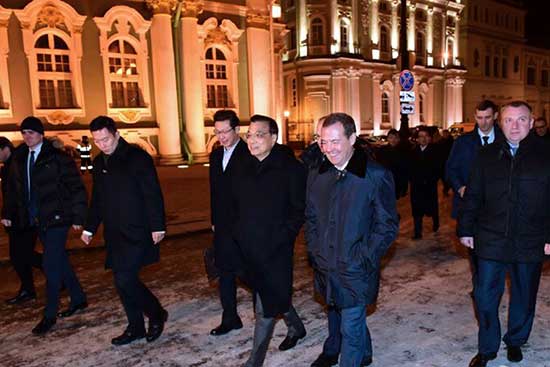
[59,117]
[192,8]
[129,116]
[50,16]
[257,19]
[162,6]
[6,109]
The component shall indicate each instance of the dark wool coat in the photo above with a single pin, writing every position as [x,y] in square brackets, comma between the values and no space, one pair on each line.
[351,221]
[127,199]
[507,202]
[227,253]
[270,201]
[461,159]
[4,171]
[395,159]
[424,172]
[56,184]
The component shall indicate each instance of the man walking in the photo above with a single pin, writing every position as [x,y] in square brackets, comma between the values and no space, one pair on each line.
[505,219]
[226,165]
[46,195]
[270,200]
[351,220]
[540,128]
[463,154]
[127,199]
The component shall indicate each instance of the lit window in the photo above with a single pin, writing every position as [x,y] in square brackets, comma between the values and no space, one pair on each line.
[385,108]
[420,49]
[123,75]
[317,30]
[344,37]
[421,106]
[53,72]
[217,83]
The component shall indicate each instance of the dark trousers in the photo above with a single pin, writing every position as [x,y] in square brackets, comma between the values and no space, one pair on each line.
[418,224]
[228,297]
[136,299]
[58,270]
[23,257]
[263,331]
[333,344]
[524,282]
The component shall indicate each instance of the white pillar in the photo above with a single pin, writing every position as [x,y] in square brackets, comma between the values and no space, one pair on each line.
[334,28]
[394,29]
[338,90]
[449,102]
[164,79]
[192,80]
[430,37]
[411,37]
[377,102]
[396,118]
[455,44]
[374,28]
[302,28]
[354,97]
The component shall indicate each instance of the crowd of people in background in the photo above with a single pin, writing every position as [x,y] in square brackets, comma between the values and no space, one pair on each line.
[342,190]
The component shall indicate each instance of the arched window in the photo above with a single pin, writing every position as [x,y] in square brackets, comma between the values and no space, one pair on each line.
[124,75]
[344,36]
[316,32]
[420,48]
[53,72]
[384,39]
[385,107]
[217,82]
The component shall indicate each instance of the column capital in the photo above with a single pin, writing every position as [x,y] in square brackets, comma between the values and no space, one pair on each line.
[257,19]
[191,8]
[162,6]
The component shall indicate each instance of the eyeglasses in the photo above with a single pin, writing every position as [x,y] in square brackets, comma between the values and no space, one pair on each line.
[257,135]
[316,137]
[224,132]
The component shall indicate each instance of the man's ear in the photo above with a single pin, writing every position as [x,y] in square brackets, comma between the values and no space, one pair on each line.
[352,138]
[237,129]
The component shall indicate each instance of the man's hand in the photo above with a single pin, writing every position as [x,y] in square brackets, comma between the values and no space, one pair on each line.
[213,228]
[467,241]
[86,238]
[461,191]
[547,248]
[6,222]
[158,236]
[77,227]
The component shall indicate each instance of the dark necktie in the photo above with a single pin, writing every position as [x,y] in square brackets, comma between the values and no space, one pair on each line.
[513,150]
[33,205]
[485,140]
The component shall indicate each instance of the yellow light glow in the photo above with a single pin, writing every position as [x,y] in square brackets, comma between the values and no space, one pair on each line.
[183,166]
[430,61]
[376,54]
[286,114]
[394,54]
[276,11]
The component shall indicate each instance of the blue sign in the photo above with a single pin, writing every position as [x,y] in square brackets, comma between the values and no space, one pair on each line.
[406,79]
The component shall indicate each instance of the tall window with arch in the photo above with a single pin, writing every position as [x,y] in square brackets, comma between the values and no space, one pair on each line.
[384,43]
[123,74]
[420,49]
[217,81]
[385,108]
[344,36]
[54,72]
[316,32]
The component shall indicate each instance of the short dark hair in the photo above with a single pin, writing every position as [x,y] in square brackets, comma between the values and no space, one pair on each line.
[222,115]
[393,132]
[5,142]
[541,119]
[485,105]
[273,128]
[343,118]
[425,129]
[516,104]
[103,122]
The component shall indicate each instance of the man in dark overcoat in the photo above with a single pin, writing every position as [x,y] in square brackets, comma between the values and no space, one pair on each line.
[463,155]
[351,221]
[424,172]
[505,219]
[393,157]
[127,199]
[270,200]
[46,196]
[226,165]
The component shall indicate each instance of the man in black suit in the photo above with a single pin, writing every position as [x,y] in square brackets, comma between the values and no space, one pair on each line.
[46,195]
[226,164]
[127,198]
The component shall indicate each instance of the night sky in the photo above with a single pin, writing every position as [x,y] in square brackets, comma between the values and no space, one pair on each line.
[538,23]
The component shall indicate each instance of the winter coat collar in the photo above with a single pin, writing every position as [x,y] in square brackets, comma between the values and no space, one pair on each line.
[357,164]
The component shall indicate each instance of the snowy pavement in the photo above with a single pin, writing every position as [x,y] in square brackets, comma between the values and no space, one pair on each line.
[423,316]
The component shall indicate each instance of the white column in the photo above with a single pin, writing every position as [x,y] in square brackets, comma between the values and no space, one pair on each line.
[302,28]
[259,64]
[339,90]
[443,37]
[164,79]
[394,29]
[430,37]
[449,102]
[458,95]
[396,118]
[354,97]
[334,28]
[192,80]
[377,102]
[455,44]
[411,37]
[374,28]
[5,111]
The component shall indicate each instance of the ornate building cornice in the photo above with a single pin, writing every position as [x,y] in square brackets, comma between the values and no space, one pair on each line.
[162,6]
[257,19]
[191,8]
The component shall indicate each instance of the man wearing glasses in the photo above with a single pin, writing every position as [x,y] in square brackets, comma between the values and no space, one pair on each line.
[226,164]
[540,127]
[270,200]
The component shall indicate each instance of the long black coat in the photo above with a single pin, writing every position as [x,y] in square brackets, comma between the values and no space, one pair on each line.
[56,183]
[507,202]
[4,171]
[127,198]
[270,201]
[424,172]
[395,159]
[351,221]
[227,253]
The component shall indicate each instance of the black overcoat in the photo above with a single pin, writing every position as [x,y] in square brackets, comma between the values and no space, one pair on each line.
[424,172]
[507,202]
[351,221]
[227,254]
[127,199]
[270,201]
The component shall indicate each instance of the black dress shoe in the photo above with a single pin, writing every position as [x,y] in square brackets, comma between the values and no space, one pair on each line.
[325,360]
[514,354]
[367,361]
[156,327]
[72,309]
[22,296]
[127,337]
[224,329]
[290,341]
[480,360]
[43,326]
